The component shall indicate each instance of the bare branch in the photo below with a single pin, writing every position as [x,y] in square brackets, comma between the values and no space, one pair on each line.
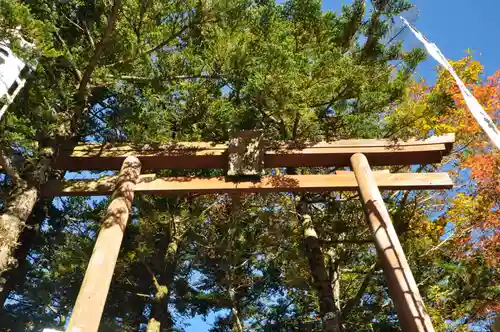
[89,36]
[73,22]
[356,270]
[53,309]
[155,281]
[446,240]
[355,300]
[347,241]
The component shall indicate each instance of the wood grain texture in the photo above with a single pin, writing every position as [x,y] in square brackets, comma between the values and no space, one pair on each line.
[195,155]
[89,305]
[402,286]
[149,184]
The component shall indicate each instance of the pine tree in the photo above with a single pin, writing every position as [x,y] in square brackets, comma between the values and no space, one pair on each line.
[168,71]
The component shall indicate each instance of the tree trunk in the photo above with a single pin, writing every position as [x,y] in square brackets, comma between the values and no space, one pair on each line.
[328,309]
[16,276]
[322,283]
[19,205]
[153,325]
[12,222]
[335,258]
[335,277]
[18,208]
[160,318]
[237,326]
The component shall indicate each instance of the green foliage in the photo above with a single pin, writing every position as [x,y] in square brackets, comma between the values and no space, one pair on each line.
[194,70]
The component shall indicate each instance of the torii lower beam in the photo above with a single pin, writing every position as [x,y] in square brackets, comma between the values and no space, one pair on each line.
[345,181]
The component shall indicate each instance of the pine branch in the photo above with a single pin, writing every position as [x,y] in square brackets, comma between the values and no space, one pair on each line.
[69,59]
[156,47]
[99,49]
[167,41]
[144,79]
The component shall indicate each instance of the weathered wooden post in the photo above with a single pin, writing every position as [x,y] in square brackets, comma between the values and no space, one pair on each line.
[89,305]
[245,154]
[245,160]
[402,286]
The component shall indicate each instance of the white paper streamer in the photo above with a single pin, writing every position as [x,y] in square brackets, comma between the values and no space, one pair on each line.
[475,108]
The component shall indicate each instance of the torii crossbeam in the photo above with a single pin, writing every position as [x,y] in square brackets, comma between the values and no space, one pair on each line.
[245,157]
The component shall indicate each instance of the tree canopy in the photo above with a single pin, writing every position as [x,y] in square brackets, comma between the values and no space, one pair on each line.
[200,70]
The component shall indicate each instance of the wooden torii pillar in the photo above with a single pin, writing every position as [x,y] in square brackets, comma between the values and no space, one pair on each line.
[402,286]
[86,314]
[357,154]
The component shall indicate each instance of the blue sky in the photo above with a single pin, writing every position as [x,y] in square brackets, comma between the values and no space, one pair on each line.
[454,26]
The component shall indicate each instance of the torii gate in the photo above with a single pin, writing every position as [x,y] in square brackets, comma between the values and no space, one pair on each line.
[246,156]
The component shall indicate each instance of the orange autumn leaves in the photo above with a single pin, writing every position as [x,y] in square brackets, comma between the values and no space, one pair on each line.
[474,207]
[439,108]
[481,199]
[486,175]
[471,239]
[486,91]
[485,170]
[475,210]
